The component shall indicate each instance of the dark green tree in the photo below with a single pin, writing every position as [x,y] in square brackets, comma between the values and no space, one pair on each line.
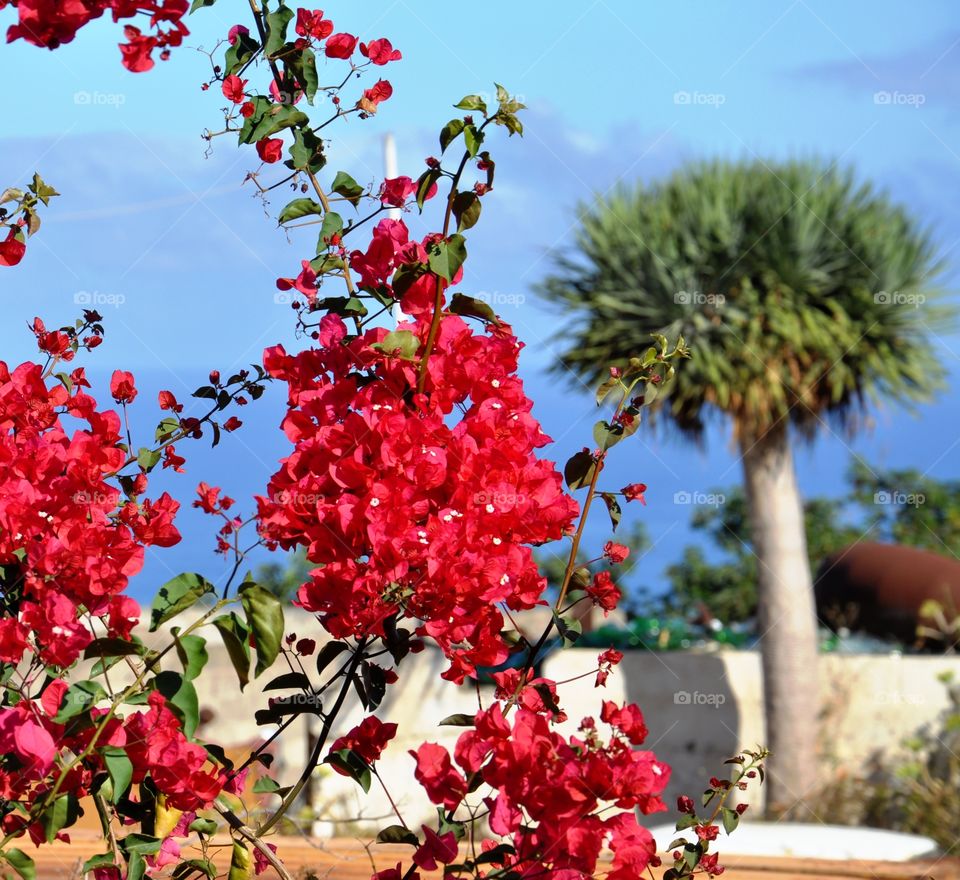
[803,294]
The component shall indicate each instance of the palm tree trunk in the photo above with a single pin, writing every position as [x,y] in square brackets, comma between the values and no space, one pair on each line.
[787,619]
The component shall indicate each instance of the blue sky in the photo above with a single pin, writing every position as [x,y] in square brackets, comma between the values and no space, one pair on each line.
[617,90]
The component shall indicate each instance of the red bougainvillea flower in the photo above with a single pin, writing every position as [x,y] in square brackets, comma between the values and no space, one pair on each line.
[368,739]
[305,282]
[374,96]
[236,31]
[313,24]
[340,46]
[615,553]
[12,249]
[395,191]
[380,52]
[603,591]
[122,388]
[136,51]
[553,796]
[270,149]
[634,492]
[605,663]
[233,89]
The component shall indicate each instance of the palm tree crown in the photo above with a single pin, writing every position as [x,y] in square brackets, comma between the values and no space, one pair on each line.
[801,292]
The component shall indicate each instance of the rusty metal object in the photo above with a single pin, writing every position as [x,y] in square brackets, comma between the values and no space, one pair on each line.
[880,589]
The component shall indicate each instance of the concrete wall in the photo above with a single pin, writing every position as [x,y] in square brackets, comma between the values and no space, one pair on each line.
[701,708]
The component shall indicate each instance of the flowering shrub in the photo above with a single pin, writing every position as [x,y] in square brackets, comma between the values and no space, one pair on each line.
[50,24]
[413,482]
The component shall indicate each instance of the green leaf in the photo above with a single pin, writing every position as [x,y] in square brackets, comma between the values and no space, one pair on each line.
[353,765]
[167,428]
[136,867]
[303,65]
[468,306]
[203,826]
[148,458]
[110,647]
[269,118]
[236,640]
[403,343]
[62,813]
[240,864]
[189,866]
[466,208]
[449,133]
[79,698]
[177,595]
[328,653]
[425,183]
[344,185]
[43,191]
[332,225]
[192,651]
[607,435]
[265,619]
[277,22]
[141,844]
[265,785]
[288,681]
[460,719]
[299,208]
[239,53]
[21,863]
[120,770]
[100,860]
[472,102]
[182,698]
[730,818]
[374,683]
[398,834]
[200,4]
[11,194]
[579,470]
[613,508]
[606,388]
[306,151]
[448,256]
[473,138]
[570,629]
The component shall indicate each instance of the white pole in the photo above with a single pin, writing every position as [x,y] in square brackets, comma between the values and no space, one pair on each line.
[390,171]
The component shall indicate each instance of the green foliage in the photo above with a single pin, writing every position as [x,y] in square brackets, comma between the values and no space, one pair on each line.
[802,292]
[916,510]
[284,579]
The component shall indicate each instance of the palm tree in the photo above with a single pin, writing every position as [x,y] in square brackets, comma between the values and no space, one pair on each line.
[804,295]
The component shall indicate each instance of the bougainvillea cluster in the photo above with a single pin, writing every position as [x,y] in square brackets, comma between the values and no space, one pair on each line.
[556,800]
[413,482]
[51,23]
[402,506]
[75,520]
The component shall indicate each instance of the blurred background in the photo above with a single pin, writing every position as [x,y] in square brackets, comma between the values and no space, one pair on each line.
[157,231]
